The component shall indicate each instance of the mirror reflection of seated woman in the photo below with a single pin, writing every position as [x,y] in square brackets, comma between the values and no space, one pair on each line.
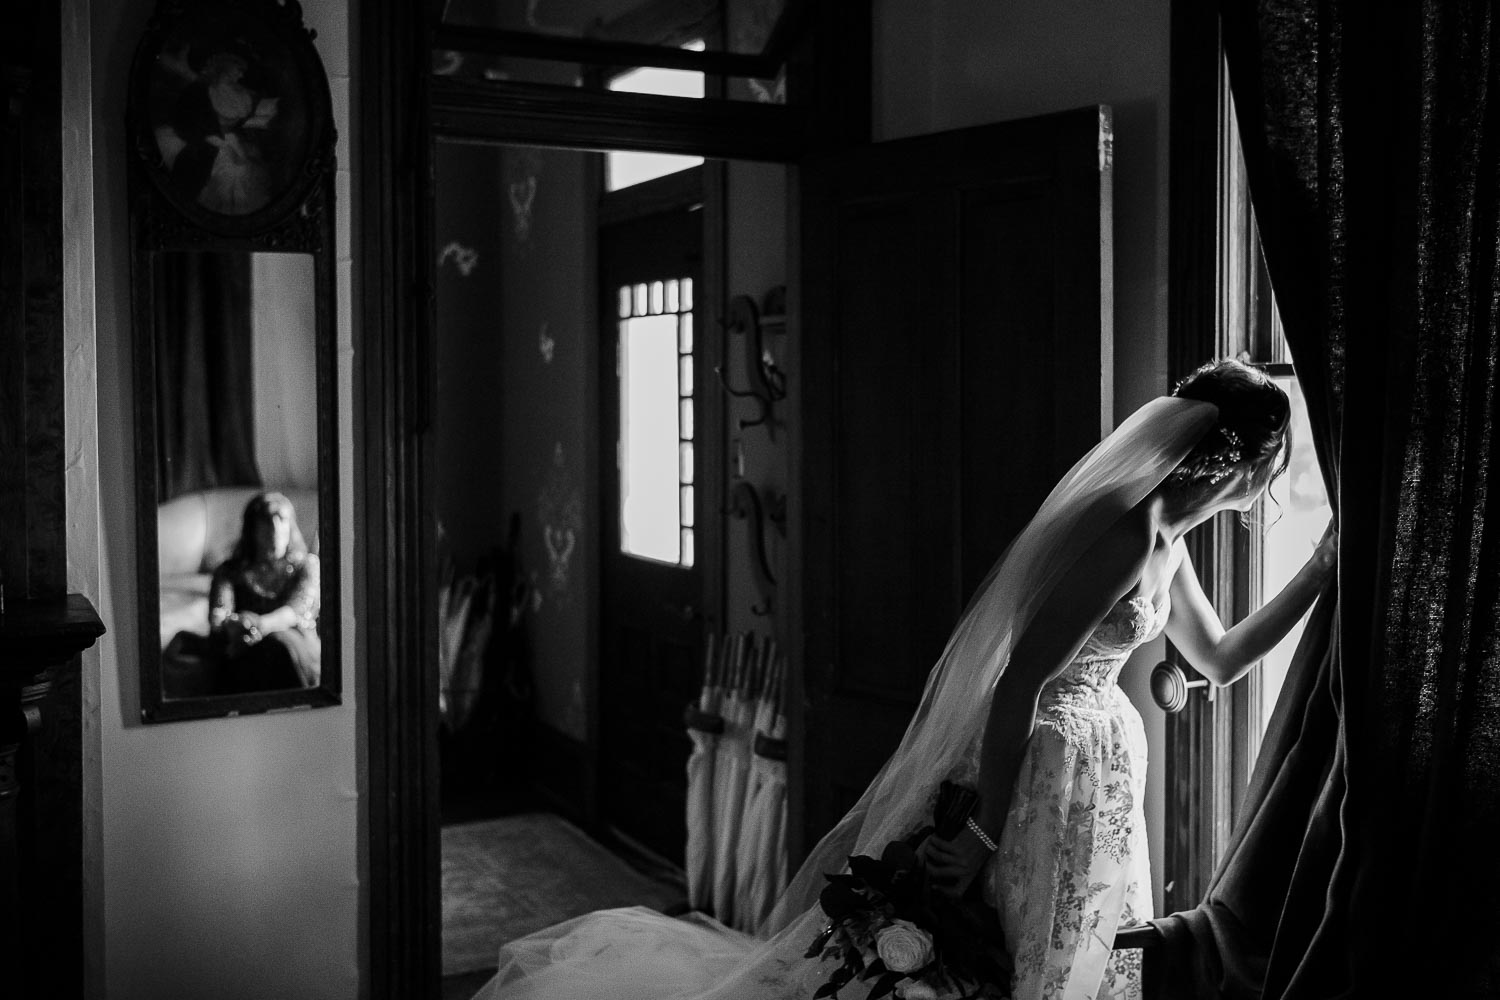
[263,605]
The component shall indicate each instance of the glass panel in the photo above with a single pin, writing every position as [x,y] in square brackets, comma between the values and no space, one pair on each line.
[685,375]
[685,337]
[687,547]
[625,302]
[687,294]
[687,506]
[685,461]
[640,300]
[1295,516]
[661,82]
[685,420]
[656,296]
[649,464]
[623,168]
[672,296]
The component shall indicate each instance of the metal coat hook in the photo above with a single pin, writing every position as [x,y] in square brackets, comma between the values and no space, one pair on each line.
[745,317]
[757,513]
[745,502]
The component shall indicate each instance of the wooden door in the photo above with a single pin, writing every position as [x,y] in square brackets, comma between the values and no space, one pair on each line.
[956,304]
[652,602]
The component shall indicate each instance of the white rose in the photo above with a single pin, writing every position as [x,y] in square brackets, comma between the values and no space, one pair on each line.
[903,946]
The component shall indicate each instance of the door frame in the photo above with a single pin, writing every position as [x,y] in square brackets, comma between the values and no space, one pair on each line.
[828,61]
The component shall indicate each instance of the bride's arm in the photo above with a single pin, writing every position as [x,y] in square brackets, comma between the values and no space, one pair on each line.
[1104,574]
[1223,656]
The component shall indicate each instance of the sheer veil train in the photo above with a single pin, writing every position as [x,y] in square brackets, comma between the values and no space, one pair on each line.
[635,953]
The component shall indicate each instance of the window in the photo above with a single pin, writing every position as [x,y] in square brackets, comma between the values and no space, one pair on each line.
[655,368]
[1222,304]
[1288,521]
[1293,518]
[624,168]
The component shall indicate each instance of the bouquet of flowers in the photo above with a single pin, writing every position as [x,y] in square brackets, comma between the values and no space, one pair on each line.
[890,931]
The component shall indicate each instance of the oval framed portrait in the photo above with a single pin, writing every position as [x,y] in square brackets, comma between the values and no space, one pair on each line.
[229,111]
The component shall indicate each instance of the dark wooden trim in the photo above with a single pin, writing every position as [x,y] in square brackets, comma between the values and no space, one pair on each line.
[711,438]
[790,24]
[392,305]
[539,114]
[600,52]
[830,74]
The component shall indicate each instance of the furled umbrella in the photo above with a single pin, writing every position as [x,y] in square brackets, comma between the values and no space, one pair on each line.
[454,598]
[763,851]
[731,767]
[704,724]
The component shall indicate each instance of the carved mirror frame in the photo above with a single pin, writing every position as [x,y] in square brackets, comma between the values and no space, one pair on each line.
[295,216]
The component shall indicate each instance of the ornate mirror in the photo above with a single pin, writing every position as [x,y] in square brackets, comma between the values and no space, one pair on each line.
[231,179]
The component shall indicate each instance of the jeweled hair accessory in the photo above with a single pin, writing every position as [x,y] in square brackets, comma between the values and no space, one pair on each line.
[1214,467]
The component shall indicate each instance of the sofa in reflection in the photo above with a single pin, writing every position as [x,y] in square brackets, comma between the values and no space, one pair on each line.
[195,532]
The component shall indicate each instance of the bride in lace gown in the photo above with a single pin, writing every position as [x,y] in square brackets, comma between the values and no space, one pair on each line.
[1023,705]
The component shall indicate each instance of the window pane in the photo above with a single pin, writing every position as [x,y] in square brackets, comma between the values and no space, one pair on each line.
[625,302]
[626,169]
[656,296]
[672,296]
[1295,515]
[640,300]
[663,82]
[649,455]
[687,506]
[685,343]
[685,420]
[685,377]
[687,294]
[685,461]
[687,547]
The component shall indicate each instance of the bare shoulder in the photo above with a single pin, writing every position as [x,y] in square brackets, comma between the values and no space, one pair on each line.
[1122,551]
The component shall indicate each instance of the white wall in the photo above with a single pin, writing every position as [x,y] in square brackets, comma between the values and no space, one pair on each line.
[942,64]
[222,855]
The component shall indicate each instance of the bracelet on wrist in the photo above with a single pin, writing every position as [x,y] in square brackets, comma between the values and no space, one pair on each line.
[984,838]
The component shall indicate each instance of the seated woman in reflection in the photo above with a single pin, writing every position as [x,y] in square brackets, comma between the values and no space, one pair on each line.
[263,604]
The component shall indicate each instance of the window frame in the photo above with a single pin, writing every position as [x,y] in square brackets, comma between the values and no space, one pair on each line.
[1220,303]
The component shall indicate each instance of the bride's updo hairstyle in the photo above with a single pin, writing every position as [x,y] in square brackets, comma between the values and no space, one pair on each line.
[1253,432]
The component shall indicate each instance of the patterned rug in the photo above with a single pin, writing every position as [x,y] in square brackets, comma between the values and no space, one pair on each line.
[504,878]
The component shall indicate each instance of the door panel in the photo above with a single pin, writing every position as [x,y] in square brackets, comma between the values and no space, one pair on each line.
[651,617]
[956,297]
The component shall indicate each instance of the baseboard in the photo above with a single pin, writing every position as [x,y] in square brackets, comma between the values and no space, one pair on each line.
[563,775]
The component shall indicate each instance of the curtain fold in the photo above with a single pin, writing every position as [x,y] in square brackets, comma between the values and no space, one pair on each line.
[1363,863]
[205,407]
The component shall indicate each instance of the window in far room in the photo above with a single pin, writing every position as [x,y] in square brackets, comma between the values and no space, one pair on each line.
[655,365]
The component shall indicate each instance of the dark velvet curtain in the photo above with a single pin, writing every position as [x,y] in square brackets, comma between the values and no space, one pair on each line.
[205,407]
[1368,859]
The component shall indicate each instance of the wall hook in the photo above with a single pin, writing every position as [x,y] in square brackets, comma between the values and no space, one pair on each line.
[757,513]
[744,317]
[763,401]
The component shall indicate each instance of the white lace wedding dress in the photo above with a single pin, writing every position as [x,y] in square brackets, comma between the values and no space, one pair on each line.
[1072,865]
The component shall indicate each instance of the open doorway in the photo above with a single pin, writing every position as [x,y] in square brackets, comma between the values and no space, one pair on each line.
[580,446]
